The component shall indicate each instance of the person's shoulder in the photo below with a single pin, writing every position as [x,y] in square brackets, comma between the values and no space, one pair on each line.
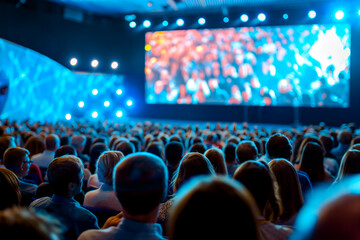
[104,234]
[38,155]
[40,202]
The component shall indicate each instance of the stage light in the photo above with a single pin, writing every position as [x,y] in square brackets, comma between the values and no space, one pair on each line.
[180,22]
[94,63]
[68,116]
[225,19]
[339,15]
[95,91]
[73,62]
[119,114]
[81,104]
[114,65]
[119,91]
[312,14]
[201,21]
[285,16]
[146,23]
[106,103]
[132,24]
[147,47]
[129,103]
[94,114]
[244,18]
[359,12]
[261,17]
[165,23]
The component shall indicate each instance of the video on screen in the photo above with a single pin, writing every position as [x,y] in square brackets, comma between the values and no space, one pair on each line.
[302,65]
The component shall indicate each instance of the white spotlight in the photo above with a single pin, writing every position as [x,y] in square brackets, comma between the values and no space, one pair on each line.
[339,15]
[244,18]
[132,24]
[94,114]
[73,62]
[106,103]
[81,104]
[261,17]
[119,91]
[312,14]
[95,91]
[68,116]
[201,21]
[146,23]
[119,114]
[114,65]
[180,22]
[95,63]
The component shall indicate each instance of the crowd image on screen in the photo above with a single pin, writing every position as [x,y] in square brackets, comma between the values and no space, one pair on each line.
[304,65]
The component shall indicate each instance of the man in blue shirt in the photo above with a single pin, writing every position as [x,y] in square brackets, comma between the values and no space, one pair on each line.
[140,182]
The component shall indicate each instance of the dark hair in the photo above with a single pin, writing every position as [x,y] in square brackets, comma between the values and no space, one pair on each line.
[174,152]
[125,147]
[197,147]
[95,151]
[216,157]
[247,150]
[13,158]
[156,148]
[65,150]
[10,189]
[312,161]
[278,146]
[350,164]
[230,152]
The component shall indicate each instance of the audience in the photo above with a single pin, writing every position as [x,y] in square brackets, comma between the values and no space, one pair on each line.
[350,165]
[78,142]
[344,139]
[52,143]
[229,150]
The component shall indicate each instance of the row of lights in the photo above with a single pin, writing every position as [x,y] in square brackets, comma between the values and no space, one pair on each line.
[94,63]
[95,114]
[339,15]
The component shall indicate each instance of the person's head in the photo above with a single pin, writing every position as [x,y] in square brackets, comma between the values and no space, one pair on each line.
[217,160]
[278,146]
[345,136]
[78,142]
[126,147]
[5,143]
[246,150]
[156,148]
[35,145]
[289,187]
[191,214]
[140,182]
[106,164]
[174,151]
[52,142]
[192,164]
[350,164]
[355,140]
[65,150]
[328,143]
[95,151]
[24,223]
[198,147]
[17,160]
[230,152]
[257,178]
[312,161]
[65,175]
[10,189]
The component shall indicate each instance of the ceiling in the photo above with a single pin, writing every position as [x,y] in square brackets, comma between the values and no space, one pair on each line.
[120,7]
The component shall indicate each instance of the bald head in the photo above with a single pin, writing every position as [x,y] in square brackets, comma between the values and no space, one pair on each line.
[140,182]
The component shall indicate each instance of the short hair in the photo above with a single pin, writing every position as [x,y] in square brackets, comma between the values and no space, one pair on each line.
[10,189]
[126,147]
[345,136]
[198,147]
[5,142]
[156,148]
[216,158]
[22,223]
[78,141]
[52,141]
[350,164]
[13,158]
[65,150]
[247,150]
[230,152]
[278,146]
[35,145]
[106,164]
[174,152]
[62,171]
[95,151]
[190,214]
[140,182]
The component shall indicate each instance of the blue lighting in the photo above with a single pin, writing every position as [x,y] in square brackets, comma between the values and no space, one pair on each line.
[119,114]
[262,17]
[95,91]
[180,22]
[106,103]
[129,103]
[81,104]
[94,114]
[244,18]
[225,19]
[119,91]
[68,116]
[146,23]
[165,23]
[132,24]
[285,16]
[73,62]
[95,63]
[339,15]
[201,21]
[114,65]
[312,14]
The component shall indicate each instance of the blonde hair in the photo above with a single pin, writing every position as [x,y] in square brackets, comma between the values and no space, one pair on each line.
[106,164]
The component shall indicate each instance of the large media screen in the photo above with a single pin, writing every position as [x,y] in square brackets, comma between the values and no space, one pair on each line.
[302,65]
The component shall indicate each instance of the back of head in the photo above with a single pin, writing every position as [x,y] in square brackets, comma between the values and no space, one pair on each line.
[65,150]
[52,142]
[191,215]
[216,158]
[14,157]
[174,152]
[327,142]
[62,171]
[5,143]
[35,145]
[350,164]
[278,146]
[197,147]
[247,150]
[10,189]
[78,141]
[155,148]
[192,164]
[312,161]
[125,147]
[230,152]
[140,181]
[95,151]
[345,136]
[106,165]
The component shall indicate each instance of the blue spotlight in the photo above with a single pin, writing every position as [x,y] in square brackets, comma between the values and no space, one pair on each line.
[129,103]
[201,21]
[146,23]
[95,91]
[132,24]
[68,116]
[119,114]
[285,16]
[262,17]
[119,91]
[165,23]
[81,104]
[106,103]
[244,18]
[312,14]
[226,19]
[339,15]
[180,22]
[94,114]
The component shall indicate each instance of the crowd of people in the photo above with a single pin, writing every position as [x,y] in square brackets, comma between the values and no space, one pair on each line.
[149,180]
